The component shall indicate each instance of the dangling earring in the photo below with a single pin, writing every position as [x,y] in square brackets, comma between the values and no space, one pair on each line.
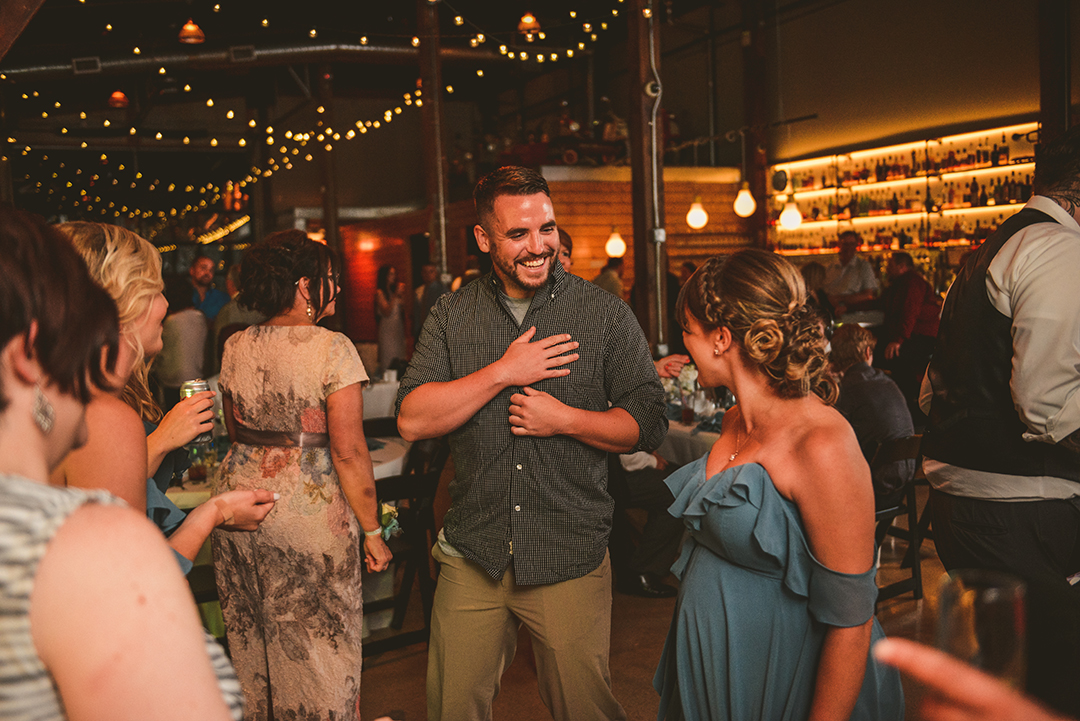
[42,411]
[310,312]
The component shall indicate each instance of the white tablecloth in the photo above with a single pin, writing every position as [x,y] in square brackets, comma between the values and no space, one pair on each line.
[379,400]
[681,446]
[390,459]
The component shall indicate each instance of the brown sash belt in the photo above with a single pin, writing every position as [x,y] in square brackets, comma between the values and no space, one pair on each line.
[252,437]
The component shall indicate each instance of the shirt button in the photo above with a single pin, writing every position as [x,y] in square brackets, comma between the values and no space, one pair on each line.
[519,466]
[517,508]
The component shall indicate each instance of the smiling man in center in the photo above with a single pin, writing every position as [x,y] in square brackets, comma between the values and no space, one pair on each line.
[536,374]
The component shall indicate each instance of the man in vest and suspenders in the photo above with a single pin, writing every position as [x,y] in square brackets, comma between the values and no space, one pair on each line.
[1002,448]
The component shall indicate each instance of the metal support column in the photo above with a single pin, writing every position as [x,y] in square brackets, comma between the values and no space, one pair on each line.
[1054,82]
[646,166]
[432,128]
[754,89]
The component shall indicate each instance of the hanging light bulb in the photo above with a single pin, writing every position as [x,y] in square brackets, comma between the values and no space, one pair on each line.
[528,23]
[745,205]
[696,217]
[118,100]
[191,34]
[790,217]
[615,247]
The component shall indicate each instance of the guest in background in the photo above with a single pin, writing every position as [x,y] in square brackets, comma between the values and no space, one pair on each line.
[850,282]
[610,278]
[685,271]
[874,406]
[427,293]
[205,296]
[912,313]
[183,340]
[566,250]
[640,568]
[390,316]
[472,272]
[291,390]
[1002,446]
[775,615]
[232,318]
[813,274]
[133,451]
[84,582]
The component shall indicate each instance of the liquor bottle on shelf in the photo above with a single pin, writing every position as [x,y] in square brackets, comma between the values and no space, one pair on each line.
[982,196]
[994,156]
[1004,153]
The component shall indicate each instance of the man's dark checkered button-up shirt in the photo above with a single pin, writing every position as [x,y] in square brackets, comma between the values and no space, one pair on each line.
[548,496]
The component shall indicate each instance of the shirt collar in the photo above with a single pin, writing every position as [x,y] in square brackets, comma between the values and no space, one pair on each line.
[1055,211]
[552,289]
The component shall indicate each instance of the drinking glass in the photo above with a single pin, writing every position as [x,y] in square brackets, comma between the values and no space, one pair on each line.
[981,621]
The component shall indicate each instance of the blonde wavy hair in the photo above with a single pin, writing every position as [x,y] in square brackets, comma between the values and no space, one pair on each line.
[129,268]
[761,298]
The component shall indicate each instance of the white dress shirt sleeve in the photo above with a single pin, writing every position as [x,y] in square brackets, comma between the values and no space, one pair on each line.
[637,461]
[1035,280]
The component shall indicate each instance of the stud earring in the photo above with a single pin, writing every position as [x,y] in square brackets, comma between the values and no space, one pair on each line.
[310,312]
[716,351]
[42,411]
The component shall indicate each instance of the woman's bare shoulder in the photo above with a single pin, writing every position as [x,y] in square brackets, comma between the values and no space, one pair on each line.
[108,409]
[818,448]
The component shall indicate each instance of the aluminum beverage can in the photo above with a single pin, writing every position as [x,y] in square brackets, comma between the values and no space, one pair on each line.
[188,389]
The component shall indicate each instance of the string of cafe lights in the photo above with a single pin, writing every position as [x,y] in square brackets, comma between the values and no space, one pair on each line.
[295,141]
[326,136]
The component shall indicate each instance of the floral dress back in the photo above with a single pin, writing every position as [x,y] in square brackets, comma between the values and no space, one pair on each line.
[290,591]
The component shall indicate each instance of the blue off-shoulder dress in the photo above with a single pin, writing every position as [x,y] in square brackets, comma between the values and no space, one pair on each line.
[754,605]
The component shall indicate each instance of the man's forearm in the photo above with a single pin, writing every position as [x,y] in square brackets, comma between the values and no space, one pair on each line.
[613,430]
[435,409]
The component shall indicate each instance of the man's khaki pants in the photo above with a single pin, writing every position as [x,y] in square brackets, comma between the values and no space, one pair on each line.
[474,629]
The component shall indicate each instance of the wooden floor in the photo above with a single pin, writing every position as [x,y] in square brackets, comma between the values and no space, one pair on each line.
[393,683]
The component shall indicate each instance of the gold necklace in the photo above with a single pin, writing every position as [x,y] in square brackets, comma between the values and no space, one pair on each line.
[739,446]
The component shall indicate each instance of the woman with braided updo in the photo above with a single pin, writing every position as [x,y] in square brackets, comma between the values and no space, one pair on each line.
[775,612]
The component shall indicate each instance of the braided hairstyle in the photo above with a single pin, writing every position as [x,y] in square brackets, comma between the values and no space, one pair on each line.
[761,298]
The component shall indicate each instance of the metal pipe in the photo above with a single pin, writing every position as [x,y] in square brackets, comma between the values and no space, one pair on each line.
[247,56]
[659,236]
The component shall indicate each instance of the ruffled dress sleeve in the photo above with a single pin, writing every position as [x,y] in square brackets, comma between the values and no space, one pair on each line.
[742,503]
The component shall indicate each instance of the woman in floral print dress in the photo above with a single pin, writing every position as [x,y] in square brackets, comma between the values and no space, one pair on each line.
[290,592]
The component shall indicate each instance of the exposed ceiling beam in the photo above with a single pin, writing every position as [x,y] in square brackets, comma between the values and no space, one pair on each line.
[14,17]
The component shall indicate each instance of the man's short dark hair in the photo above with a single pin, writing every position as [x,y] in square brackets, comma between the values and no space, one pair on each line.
[614,263]
[510,180]
[1057,164]
[903,259]
[850,236]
